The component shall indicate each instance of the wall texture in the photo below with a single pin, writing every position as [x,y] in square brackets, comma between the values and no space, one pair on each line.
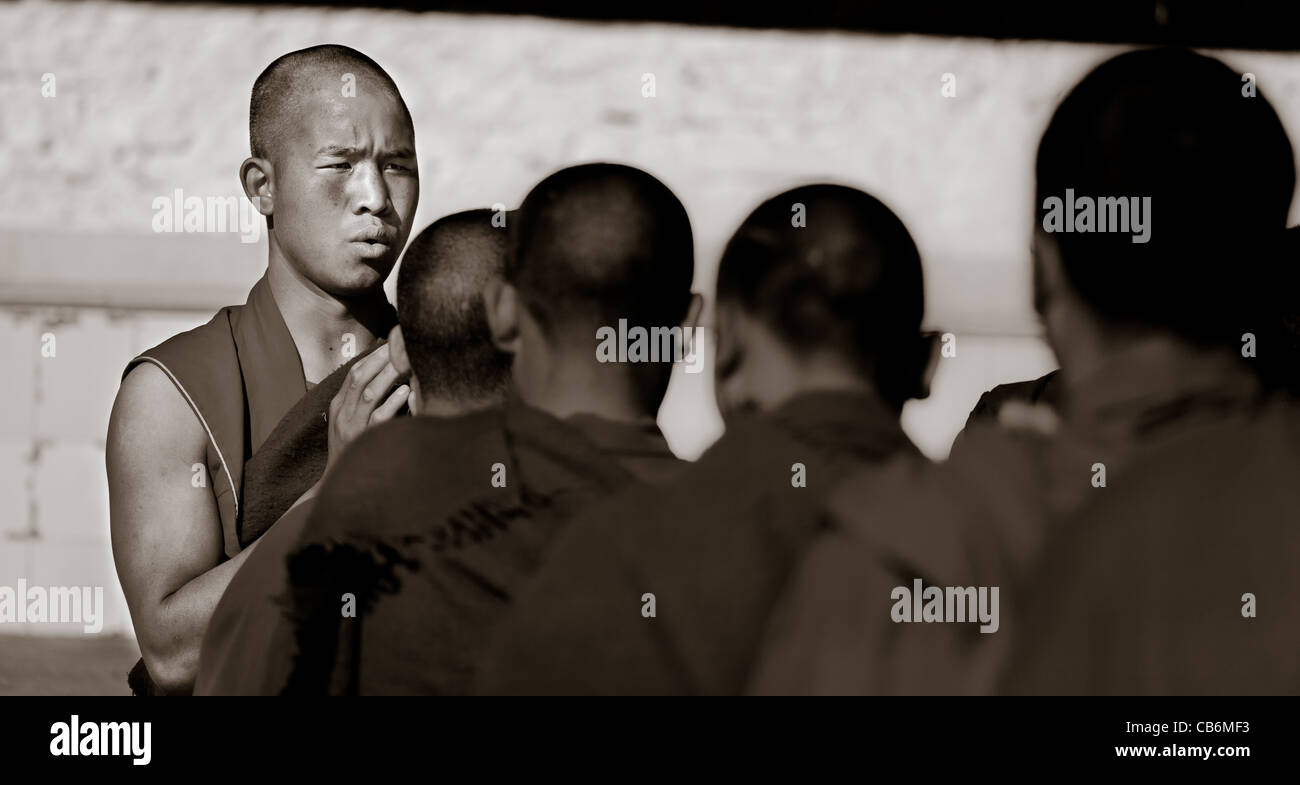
[150,98]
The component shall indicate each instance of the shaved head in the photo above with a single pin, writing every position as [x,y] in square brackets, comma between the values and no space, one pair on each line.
[597,243]
[440,307]
[845,280]
[600,242]
[1172,126]
[279,91]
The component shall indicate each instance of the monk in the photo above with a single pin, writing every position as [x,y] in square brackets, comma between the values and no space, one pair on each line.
[1123,530]
[666,590]
[429,525]
[336,177]
[443,327]
[1178,577]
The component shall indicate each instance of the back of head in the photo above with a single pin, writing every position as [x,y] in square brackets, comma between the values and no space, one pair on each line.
[598,243]
[441,311]
[1212,156]
[831,269]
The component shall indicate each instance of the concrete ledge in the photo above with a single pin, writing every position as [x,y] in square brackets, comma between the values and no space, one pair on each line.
[203,272]
[134,271]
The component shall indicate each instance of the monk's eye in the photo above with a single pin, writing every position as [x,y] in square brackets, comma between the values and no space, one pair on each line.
[342,166]
[399,167]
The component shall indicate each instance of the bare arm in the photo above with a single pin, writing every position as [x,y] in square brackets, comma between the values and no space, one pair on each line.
[166,532]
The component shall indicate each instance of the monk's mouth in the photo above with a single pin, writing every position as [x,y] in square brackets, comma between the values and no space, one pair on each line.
[372,249]
[375,233]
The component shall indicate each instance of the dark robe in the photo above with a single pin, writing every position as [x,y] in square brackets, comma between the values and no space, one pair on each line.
[241,375]
[412,526]
[1182,578]
[247,649]
[714,547]
[984,518]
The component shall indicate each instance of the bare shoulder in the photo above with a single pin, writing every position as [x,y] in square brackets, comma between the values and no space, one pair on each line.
[152,422]
[165,526]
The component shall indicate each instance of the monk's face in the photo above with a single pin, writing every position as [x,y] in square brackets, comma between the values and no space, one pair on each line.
[345,184]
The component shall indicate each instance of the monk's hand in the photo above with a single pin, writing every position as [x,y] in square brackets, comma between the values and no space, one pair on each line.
[366,398]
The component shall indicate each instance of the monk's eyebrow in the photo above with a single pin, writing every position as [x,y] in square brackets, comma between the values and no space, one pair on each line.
[344,151]
[339,150]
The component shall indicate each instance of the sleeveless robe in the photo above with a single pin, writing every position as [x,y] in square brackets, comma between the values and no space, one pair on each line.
[241,375]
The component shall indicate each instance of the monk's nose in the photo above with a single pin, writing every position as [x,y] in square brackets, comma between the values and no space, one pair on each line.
[371,192]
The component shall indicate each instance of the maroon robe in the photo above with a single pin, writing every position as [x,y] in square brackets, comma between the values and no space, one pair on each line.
[241,375]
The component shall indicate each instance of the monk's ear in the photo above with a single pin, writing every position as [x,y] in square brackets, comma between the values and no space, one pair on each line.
[728,342]
[693,311]
[501,300]
[731,387]
[397,352]
[928,350]
[691,346]
[401,362]
[255,175]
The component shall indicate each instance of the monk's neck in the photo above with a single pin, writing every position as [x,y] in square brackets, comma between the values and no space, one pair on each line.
[327,330]
[578,386]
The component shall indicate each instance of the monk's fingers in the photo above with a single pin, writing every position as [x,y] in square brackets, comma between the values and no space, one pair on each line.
[390,407]
[337,417]
[380,385]
[404,376]
[363,372]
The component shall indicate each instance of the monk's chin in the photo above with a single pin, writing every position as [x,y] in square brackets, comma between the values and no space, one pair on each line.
[363,278]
